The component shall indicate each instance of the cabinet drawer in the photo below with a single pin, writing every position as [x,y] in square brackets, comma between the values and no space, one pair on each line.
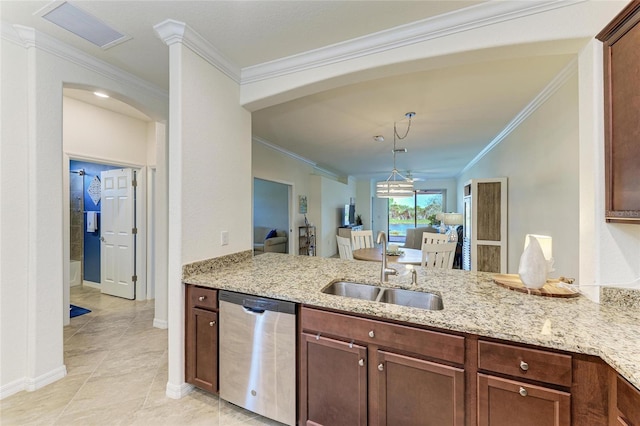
[628,402]
[201,297]
[509,402]
[403,338]
[525,363]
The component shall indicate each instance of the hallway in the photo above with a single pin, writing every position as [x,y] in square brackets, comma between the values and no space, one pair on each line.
[116,375]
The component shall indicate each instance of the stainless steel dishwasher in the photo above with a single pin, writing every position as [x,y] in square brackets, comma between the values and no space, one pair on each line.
[258,355]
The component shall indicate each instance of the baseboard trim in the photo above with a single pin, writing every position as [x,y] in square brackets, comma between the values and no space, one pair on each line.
[32,384]
[91,284]
[12,388]
[178,391]
[158,323]
[45,379]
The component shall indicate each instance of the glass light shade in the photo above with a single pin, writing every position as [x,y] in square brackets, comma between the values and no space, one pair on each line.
[394,189]
[546,243]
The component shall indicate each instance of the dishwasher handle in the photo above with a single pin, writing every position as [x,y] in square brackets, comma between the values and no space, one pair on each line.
[255,304]
[253,310]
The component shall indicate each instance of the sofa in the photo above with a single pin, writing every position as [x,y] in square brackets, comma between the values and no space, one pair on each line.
[414,236]
[276,244]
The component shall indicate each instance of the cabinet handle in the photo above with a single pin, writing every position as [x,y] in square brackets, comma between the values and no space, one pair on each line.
[372,334]
[212,323]
[201,298]
[361,362]
[524,366]
[523,391]
[381,367]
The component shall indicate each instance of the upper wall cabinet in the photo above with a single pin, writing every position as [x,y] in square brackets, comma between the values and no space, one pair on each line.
[621,48]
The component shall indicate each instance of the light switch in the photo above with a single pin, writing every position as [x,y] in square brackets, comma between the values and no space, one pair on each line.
[224,238]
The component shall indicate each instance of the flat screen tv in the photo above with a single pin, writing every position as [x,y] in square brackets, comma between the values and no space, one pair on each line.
[349,216]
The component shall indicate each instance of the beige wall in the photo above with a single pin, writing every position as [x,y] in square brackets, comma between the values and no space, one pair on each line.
[96,133]
[216,163]
[324,194]
[272,165]
[14,218]
[209,182]
[35,251]
[332,196]
[539,158]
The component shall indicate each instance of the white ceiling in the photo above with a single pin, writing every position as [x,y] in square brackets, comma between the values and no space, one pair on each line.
[461,101]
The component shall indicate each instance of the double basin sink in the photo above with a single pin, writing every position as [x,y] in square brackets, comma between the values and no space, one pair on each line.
[396,296]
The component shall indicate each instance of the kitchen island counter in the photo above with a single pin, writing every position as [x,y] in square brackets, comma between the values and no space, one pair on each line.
[473,303]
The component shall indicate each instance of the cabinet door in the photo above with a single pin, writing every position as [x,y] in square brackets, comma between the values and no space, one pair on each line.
[628,403]
[503,402]
[334,376]
[412,391]
[621,39]
[202,349]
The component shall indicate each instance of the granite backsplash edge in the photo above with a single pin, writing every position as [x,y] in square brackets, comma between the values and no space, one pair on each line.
[208,265]
[621,297]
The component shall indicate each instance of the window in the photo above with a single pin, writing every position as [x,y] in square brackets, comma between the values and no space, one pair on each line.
[414,212]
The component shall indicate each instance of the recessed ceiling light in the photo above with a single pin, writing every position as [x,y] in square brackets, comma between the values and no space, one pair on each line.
[101,95]
[82,24]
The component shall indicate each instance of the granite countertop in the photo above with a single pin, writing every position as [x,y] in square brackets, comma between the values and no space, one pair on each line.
[473,303]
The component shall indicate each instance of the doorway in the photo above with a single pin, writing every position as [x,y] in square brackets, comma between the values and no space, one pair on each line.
[99,137]
[85,224]
[271,211]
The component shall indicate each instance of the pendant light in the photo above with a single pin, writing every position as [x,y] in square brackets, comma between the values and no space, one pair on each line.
[396,185]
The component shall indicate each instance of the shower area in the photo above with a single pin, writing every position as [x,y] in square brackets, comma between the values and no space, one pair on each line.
[76,198]
[84,217]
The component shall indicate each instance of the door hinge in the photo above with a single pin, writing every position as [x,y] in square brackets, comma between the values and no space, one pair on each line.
[134,278]
[134,183]
[134,231]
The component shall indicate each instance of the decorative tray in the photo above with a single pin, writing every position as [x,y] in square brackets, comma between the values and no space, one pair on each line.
[553,287]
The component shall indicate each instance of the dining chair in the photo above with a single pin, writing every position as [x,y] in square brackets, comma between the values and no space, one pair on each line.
[362,239]
[431,238]
[438,255]
[344,248]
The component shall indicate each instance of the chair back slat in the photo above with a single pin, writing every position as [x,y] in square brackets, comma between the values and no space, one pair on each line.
[438,255]
[431,238]
[362,239]
[344,248]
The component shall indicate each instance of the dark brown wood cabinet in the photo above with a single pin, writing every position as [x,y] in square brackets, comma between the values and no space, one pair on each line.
[335,381]
[624,402]
[621,49]
[414,391]
[201,343]
[355,370]
[358,371]
[504,402]
[536,390]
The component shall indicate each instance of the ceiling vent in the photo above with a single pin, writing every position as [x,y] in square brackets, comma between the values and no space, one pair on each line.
[82,24]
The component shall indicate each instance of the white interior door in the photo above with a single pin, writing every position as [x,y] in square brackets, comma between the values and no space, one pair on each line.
[117,254]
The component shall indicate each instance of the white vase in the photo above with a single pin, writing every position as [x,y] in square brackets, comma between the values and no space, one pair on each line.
[533,265]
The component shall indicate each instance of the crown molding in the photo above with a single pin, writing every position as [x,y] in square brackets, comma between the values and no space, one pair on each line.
[467,19]
[296,157]
[28,37]
[558,81]
[171,31]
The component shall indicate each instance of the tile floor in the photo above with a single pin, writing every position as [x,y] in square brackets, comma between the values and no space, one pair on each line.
[116,375]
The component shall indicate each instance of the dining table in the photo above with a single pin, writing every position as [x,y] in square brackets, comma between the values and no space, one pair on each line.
[374,254]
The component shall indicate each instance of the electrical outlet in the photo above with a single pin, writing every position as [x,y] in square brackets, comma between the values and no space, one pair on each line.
[224,238]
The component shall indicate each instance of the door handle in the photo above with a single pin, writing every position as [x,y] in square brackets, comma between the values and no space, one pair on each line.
[102,239]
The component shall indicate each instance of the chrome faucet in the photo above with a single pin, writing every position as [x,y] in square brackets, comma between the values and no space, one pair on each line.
[384,272]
